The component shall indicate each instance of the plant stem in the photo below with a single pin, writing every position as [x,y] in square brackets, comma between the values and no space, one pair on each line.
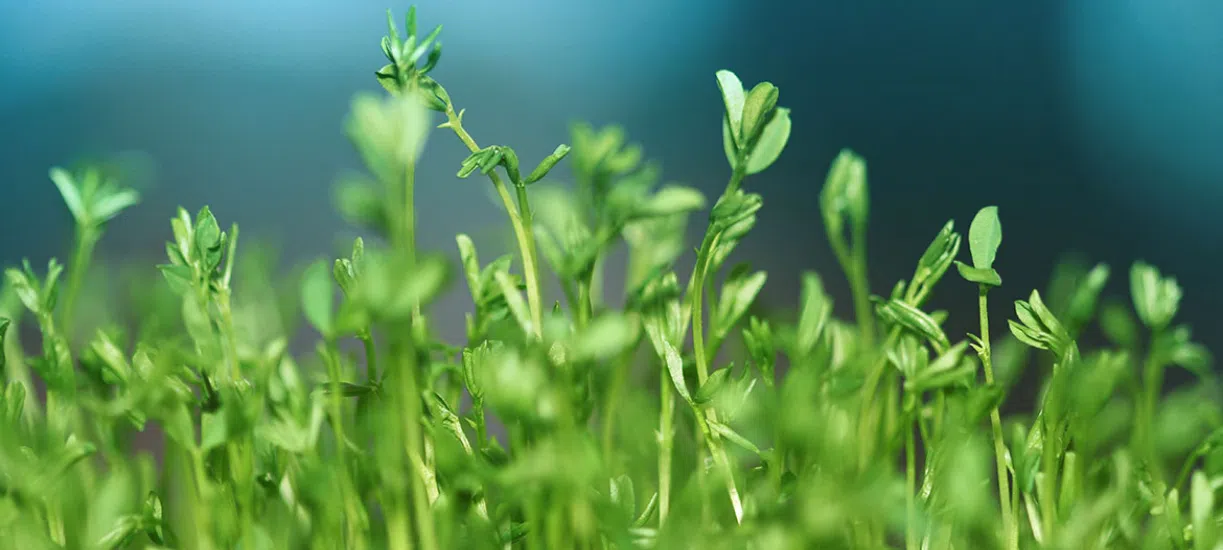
[696,293]
[911,536]
[82,255]
[523,231]
[666,437]
[995,418]
[1152,375]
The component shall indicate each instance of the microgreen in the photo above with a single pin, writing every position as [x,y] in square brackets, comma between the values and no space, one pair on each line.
[668,413]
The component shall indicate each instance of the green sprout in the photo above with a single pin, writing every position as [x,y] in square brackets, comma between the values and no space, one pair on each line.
[661,414]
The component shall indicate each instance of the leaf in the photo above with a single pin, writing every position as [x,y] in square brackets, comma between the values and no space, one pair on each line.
[622,494]
[317,297]
[514,299]
[670,200]
[771,143]
[675,367]
[72,196]
[545,166]
[916,320]
[179,277]
[986,276]
[734,437]
[757,110]
[732,99]
[816,310]
[1156,298]
[471,264]
[738,293]
[207,232]
[984,237]
[713,384]
[110,205]
[606,336]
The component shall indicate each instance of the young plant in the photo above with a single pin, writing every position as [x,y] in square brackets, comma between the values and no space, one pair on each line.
[663,414]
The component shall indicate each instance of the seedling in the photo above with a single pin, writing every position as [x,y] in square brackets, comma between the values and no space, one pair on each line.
[574,422]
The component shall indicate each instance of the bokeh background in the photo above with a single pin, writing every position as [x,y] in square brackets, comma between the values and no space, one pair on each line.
[1096,126]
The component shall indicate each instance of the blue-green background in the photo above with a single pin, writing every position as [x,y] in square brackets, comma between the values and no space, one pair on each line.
[1095,126]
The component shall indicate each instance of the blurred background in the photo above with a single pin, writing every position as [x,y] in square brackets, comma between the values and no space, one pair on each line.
[1096,126]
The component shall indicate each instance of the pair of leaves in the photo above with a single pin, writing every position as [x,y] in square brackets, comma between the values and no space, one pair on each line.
[844,195]
[91,196]
[1039,328]
[1156,297]
[754,129]
[933,263]
[984,238]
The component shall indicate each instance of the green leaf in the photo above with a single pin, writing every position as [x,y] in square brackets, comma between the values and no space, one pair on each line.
[545,166]
[72,196]
[515,301]
[606,336]
[771,143]
[728,145]
[734,437]
[913,319]
[713,384]
[669,201]
[981,276]
[1156,298]
[317,297]
[738,293]
[733,99]
[179,277]
[757,111]
[207,232]
[675,367]
[984,237]
[109,206]
[214,430]
[844,194]
[816,310]
[471,264]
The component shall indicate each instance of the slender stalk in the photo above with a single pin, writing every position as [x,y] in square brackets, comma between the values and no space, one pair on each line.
[82,255]
[666,437]
[995,418]
[695,296]
[523,231]
[911,535]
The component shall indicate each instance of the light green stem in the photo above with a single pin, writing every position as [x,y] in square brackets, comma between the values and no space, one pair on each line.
[523,231]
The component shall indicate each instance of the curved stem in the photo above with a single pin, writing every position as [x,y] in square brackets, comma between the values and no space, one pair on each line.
[522,228]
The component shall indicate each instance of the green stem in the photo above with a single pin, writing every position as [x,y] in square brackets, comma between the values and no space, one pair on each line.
[1008,515]
[696,292]
[82,255]
[911,535]
[1152,388]
[666,438]
[523,231]
[371,358]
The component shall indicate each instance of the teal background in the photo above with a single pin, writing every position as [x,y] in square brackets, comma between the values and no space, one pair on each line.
[1095,126]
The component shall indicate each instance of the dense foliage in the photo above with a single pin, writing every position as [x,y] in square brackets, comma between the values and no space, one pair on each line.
[667,414]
